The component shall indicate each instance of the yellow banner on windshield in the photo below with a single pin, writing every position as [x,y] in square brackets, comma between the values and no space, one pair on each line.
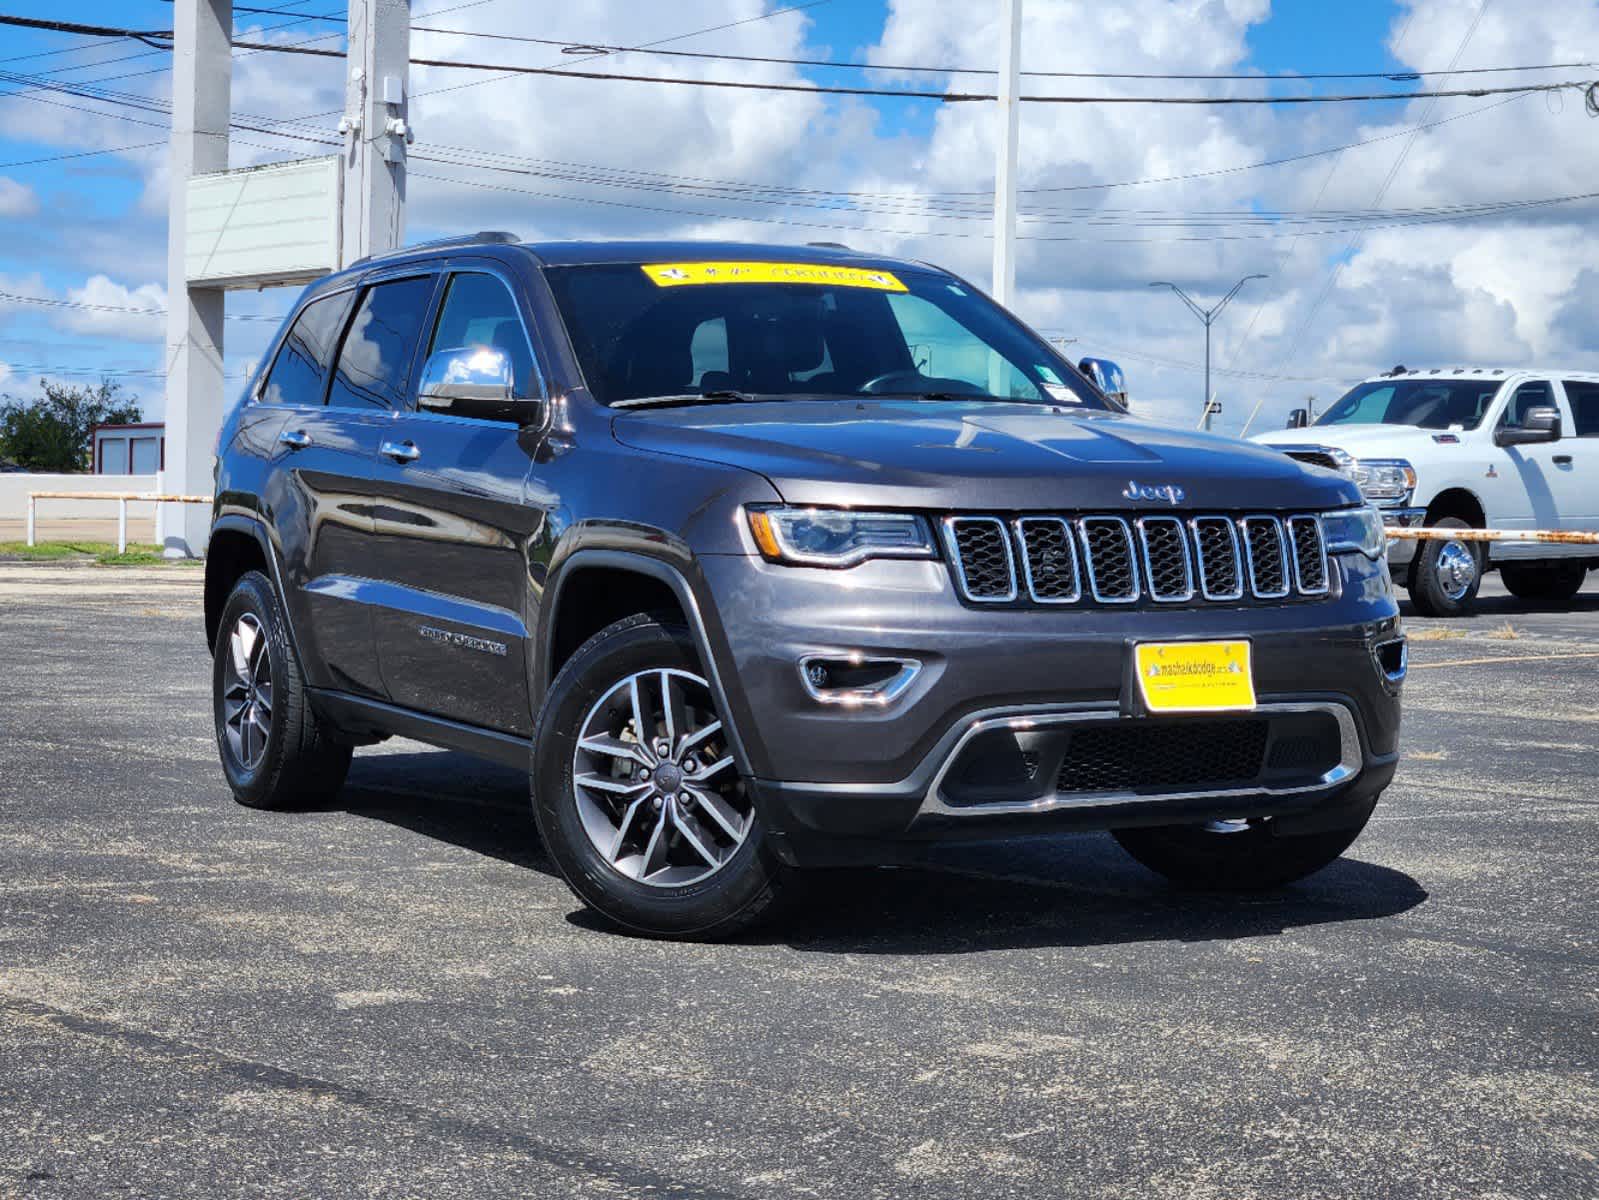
[681,273]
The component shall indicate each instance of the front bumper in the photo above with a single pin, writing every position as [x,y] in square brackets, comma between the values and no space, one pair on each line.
[1401,552]
[840,784]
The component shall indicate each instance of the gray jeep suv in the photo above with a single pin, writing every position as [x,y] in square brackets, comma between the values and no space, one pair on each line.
[761,558]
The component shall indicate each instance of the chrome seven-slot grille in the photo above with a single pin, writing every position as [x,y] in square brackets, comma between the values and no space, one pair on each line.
[1112,559]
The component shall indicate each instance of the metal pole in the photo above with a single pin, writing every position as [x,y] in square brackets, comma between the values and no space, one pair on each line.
[1005,162]
[1208,318]
[122,524]
[31,540]
[375,128]
[202,67]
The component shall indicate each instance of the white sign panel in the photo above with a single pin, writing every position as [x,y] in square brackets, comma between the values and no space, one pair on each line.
[264,225]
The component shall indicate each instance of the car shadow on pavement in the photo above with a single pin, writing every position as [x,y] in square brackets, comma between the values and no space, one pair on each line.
[1066,890]
[1055,890]
[467,802]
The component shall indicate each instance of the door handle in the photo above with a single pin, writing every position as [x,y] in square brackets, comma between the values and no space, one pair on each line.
[400,451]
[294,439]
[1562,460]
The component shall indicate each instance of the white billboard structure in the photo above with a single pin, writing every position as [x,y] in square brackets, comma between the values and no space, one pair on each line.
[272,226]
[262,226]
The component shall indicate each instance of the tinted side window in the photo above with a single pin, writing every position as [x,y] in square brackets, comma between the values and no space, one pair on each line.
[1584,399]
[300,370]
[479,310]
[1528,395]
[376,356]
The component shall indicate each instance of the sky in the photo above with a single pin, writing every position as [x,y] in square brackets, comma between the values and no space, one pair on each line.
[1444,232]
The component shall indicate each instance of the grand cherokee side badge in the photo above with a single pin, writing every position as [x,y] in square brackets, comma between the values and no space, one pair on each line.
[1168,492]
[462,641]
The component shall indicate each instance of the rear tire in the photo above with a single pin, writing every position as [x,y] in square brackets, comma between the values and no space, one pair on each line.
[1235,855]
[1553,583]
[644,813]
[276,752]
[1445,576]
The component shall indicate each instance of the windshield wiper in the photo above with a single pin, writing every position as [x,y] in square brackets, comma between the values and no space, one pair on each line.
[935,395]
[716,396]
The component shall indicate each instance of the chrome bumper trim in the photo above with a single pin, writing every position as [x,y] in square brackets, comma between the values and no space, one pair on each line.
[1350,762]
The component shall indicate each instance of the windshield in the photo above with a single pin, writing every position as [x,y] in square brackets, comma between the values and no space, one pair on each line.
[1424,403]
[738,330]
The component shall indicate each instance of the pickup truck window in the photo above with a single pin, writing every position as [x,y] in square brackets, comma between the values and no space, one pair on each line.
[1424,403]
[1584,399]
[1527,396]
[676,332]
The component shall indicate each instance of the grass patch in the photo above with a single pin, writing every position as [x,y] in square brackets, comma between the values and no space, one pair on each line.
[1427,755]
[103,553]
[1505,633]
[1435,633]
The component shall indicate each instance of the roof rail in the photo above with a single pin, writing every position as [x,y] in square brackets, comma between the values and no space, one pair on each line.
[829,245]
[486,237]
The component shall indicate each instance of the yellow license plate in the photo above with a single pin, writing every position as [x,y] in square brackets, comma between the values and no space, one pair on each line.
[1179,677]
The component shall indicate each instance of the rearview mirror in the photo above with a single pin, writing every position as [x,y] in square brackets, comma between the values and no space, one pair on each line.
[1298,419]
[1538,424]
[473,381]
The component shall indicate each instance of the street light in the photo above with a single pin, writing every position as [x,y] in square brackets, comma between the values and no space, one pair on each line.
[1208,316]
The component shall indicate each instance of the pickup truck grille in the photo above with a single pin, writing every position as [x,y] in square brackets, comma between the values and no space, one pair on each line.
[1112,559]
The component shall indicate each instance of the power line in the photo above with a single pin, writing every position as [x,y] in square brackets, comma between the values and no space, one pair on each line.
[82,305]
[505,69]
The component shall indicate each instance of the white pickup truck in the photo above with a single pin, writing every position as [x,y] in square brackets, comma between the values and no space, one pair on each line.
[1478,447]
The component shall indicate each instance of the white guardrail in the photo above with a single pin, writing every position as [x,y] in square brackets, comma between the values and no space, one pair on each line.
[1566,537]
[121,498]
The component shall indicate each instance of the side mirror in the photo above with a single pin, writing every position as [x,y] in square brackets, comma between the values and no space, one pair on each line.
[1539,424]
[1298,419]
[1108,377]
[473,381]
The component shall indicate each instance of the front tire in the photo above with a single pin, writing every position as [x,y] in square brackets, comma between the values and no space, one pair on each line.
[1244,855]
[1445,575]
[1553,583]
[636,793]
[275,751]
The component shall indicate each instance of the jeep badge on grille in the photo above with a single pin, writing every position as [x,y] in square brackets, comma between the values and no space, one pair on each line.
[1168,492]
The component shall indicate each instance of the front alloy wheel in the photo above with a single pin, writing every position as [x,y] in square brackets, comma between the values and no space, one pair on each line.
[655,784]
[247,692]
[637,792]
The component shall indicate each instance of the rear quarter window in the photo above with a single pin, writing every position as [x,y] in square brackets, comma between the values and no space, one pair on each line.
[1584,399]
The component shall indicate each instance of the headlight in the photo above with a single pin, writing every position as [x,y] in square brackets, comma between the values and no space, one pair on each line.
[837,537]
[1386,480]
[1354,529]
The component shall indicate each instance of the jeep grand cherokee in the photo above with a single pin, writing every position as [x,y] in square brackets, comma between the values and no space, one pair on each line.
[759,558]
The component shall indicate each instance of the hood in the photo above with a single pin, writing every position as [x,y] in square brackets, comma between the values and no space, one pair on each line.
[1362,441]
[978,455]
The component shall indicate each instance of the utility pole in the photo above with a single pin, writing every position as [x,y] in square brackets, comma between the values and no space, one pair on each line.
[376,128]
[1208,316]
[202,74]
[1005,162]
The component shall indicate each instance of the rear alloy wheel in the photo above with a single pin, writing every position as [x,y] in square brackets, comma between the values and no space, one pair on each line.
[637,794]
[1445,575]
[1543,584]
[1246,854]
[276,752]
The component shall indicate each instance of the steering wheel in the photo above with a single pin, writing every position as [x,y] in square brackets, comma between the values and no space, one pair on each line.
[914,381]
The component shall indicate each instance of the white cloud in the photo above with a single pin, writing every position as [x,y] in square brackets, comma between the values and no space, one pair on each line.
[107,313]
[17,200]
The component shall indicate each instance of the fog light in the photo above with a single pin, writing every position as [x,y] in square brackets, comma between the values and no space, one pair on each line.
[1393,659]
[853,679]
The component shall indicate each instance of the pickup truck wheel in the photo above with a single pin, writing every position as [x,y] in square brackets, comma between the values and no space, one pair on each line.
[275,751]
[1445,576]
[636,792]
[1242,855]
[1551,584]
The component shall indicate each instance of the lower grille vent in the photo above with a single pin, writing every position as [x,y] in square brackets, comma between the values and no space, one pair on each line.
[1192,756]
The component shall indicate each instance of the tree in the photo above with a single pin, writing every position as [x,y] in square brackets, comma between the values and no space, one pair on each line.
[52,432]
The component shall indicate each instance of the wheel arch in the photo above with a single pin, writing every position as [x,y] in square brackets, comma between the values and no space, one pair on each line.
[579,602]
[1459,502]
[239,544]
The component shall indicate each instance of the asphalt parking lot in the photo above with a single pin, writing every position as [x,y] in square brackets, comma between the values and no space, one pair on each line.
[395,997]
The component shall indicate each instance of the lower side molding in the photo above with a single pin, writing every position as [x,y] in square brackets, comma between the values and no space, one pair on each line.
[359,714]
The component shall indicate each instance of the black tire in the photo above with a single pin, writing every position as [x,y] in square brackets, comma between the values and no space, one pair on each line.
[301,763]
[1543,583]
[1247,857]
[733,897]
[1427,590]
